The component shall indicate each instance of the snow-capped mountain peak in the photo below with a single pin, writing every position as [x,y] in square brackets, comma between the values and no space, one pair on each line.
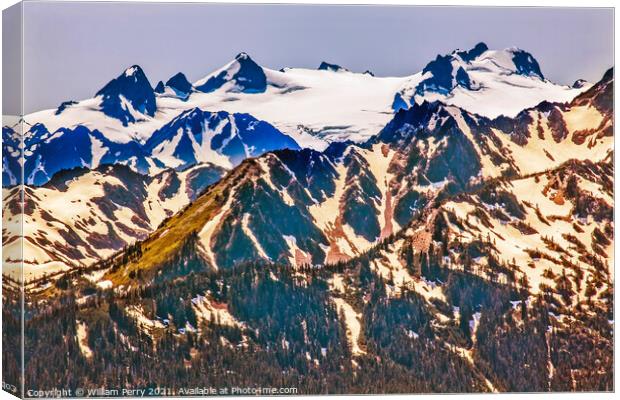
[486,82]
[446,72]
[132,71]
[513,60]
[473,53]
[325,66]
[128,96]
[222,138]
[240,75]
[242,56]
[177,86]
[180,83]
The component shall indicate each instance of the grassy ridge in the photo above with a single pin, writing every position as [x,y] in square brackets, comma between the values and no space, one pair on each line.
[168,238]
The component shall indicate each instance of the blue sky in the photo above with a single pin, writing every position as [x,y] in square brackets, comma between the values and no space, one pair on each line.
[73,49]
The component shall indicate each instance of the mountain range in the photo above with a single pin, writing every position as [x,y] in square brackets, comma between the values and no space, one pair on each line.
[310,207]
[125,119]
[375,185]
[448,231]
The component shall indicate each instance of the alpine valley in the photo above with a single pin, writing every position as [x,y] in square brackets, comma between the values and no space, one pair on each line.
[327,230]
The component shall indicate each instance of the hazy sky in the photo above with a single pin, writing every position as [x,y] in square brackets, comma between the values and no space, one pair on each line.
[71,50]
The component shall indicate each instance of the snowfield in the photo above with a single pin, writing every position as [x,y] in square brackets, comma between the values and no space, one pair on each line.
[316,107]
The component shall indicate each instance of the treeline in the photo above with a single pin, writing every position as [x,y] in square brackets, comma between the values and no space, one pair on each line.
[289,333]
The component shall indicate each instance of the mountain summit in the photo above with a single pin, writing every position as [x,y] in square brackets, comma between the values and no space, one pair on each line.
[325,66]
[463,75]
[128,95]
[177,86]
[240,75]
[180,84]
[221,138]
[512,59]
[472,54]
[446,72]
